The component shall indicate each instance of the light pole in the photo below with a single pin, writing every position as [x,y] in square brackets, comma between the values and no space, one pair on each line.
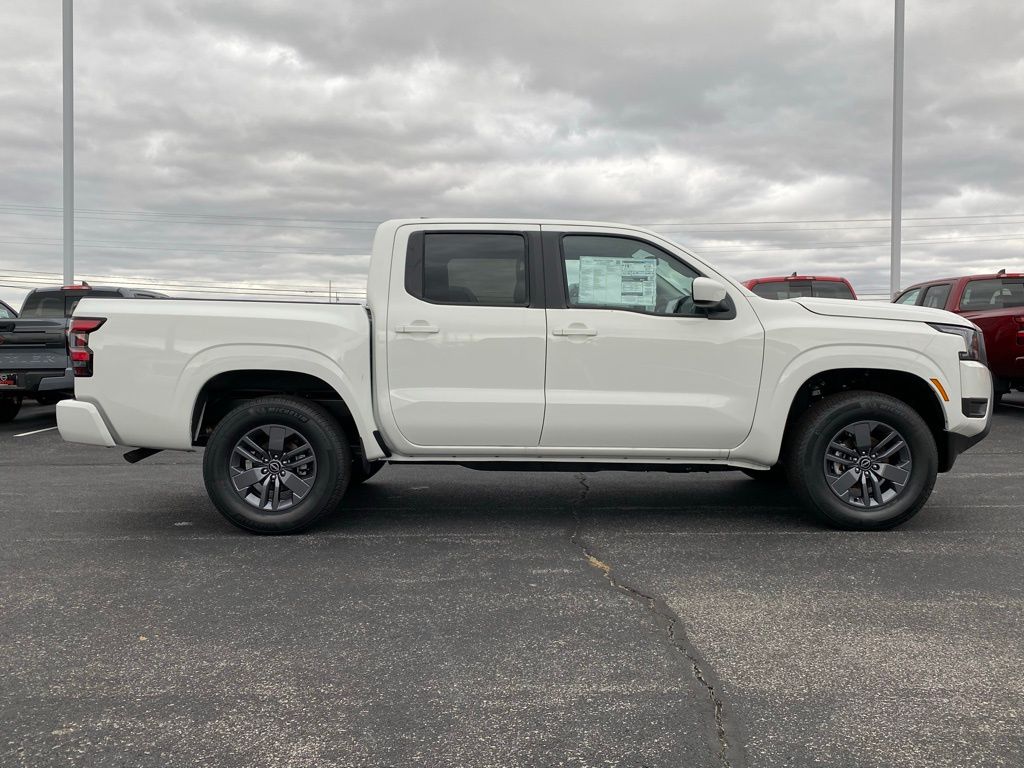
[69,148]
[897,153]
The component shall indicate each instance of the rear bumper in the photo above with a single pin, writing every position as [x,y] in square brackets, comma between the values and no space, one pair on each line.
[80,422]
[50,381]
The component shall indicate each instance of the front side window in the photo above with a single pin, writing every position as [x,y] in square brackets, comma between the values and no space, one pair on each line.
[996,293]
[621,273]
[936,296]
[475,269]
[910,297]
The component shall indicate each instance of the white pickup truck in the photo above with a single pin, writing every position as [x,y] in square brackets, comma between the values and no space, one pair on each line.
[534,345]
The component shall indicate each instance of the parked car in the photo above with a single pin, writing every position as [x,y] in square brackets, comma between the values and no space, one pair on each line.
[7,311]
[794,286]
[995,303]
[529,345]
[34,358]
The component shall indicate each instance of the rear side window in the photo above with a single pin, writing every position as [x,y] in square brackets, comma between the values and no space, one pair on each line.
[995,293]
[936,296]
[829,289]
[469,268]
[910,297]
[5,313]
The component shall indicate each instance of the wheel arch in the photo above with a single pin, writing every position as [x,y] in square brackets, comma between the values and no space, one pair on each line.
[789,386]
[224,391]
[903,385]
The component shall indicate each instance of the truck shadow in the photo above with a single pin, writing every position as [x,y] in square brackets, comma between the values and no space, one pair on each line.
[457,498]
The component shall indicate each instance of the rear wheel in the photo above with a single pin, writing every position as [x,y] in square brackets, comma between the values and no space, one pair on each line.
[9,407]
[862,461]
[277,465]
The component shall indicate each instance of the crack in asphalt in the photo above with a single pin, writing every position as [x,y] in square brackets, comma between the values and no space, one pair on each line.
[729,754]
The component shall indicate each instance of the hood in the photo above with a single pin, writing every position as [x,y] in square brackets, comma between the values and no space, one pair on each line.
[880,310]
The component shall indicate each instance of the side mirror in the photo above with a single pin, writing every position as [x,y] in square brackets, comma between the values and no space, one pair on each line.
[708,293]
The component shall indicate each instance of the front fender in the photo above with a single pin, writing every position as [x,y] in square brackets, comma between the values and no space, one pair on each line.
[781,385]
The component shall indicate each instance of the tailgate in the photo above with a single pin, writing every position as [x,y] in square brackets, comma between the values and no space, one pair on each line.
[32,345]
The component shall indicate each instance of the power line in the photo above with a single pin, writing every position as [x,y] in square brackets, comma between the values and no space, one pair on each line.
[837,221]
[140,212]
[873,244]
[203,283]
[335,252]
[40,278]
[28,284]
[54,210]
[184,221]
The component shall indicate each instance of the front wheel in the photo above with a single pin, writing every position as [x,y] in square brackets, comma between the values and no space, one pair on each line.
[277,465]
[862,461]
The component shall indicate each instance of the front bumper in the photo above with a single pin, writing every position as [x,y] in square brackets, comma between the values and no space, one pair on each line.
[966,429]
[80,422]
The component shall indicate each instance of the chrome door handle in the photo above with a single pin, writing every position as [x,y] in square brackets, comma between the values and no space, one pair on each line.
[416,329]
[574,332]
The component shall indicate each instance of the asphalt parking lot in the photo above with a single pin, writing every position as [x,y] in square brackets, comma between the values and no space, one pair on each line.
[447,617]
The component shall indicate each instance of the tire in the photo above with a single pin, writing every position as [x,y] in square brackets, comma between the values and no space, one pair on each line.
[774,476]
[815,467]
[311,461]
[360,475]
[9,407]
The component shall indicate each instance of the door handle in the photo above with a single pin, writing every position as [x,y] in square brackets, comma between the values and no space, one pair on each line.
[416,329]
[574,331]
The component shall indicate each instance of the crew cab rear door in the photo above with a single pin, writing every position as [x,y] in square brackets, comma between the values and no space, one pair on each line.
[631,362]
[466,335]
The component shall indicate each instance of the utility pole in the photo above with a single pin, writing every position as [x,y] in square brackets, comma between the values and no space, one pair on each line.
[69,148]
[896,222]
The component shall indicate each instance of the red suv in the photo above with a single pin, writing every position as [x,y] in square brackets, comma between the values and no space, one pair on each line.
[995,303]
[795,285]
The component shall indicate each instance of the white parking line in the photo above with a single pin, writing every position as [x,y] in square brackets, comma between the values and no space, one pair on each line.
[35,432]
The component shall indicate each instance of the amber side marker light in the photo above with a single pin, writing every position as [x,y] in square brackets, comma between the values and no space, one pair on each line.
[942,389]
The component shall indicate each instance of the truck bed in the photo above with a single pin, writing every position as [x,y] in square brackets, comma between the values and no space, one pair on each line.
[153,357]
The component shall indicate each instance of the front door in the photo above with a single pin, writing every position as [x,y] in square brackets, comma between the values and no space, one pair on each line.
[631,362]
[465,343]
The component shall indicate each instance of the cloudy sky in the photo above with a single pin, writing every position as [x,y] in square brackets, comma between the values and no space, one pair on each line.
[244,142]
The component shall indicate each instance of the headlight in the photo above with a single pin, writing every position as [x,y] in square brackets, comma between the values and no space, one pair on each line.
[974,342]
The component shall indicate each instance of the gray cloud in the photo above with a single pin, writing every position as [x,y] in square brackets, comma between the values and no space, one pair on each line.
[659,113]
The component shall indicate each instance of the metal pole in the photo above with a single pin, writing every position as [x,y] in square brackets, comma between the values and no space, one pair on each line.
[69,149]
[897,152]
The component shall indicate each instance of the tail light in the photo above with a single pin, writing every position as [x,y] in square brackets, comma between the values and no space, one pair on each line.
[78,343]
[1019,320]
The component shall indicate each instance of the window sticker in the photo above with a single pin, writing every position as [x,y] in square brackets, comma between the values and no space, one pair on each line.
[630,282]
